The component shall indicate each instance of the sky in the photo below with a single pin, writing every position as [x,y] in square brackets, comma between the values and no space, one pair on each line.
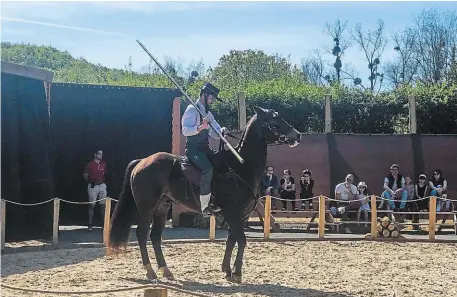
[106,32]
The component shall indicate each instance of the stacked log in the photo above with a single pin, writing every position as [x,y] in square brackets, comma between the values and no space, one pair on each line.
[387,229]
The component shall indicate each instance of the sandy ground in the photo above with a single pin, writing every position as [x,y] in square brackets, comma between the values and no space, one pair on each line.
[327,269]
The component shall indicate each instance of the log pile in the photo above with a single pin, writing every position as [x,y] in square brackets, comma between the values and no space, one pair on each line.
[387,229]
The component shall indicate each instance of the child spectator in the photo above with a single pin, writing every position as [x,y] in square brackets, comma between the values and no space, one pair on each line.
[362,194]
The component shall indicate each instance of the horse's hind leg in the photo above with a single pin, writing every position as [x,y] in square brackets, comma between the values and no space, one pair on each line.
[159,219]
[144,221]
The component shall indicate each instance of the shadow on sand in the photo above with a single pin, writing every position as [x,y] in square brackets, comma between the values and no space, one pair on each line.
[270,290]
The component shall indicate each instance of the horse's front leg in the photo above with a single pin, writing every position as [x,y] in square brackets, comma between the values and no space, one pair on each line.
[241,240]
[159,220]
[229,245]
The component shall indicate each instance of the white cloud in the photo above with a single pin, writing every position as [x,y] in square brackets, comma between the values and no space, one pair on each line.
[101,32]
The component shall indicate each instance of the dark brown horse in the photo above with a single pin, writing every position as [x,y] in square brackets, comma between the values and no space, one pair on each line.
[153,183]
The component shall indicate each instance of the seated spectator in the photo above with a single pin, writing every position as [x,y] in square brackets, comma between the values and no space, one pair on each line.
[306,189]
[409,188]
[421,190]
[345,193]
[269,185]
[287,190]
[394,189]
[438,188]
[362,196]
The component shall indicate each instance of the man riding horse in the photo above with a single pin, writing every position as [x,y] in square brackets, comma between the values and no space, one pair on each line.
[197,130]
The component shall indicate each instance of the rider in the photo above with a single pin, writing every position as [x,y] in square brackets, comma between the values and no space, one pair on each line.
[196,130]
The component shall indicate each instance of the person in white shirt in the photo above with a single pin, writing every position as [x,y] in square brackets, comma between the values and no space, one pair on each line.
[197,130]
[345,192]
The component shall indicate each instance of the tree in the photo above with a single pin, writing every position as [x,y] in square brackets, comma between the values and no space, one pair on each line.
[436,34]
[403,69]
[372,44]
[238,69]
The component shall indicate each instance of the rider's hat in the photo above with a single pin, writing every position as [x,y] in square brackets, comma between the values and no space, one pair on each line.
[210,89]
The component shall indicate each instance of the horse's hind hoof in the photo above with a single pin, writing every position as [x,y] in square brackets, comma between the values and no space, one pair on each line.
[152,276]
[166,273]
[236,278]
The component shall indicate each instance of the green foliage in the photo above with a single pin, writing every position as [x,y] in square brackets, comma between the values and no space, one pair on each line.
[270,82]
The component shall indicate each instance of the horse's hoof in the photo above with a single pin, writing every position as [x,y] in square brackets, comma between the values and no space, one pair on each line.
[152,276]
[236,278]
[166,273]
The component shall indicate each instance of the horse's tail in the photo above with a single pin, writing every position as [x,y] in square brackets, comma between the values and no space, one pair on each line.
[124,214]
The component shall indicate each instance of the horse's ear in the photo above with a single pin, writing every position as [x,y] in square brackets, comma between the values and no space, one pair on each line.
[252,108]
[259,110]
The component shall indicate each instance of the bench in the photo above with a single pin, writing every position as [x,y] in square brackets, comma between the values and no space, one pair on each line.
[426,214]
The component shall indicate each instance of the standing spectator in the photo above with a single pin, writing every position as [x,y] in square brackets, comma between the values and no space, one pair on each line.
[269,185]
[288,189]
[306,188]
[394,188]
[94,175]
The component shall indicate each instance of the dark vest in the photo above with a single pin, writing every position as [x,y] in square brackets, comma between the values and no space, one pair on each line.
[437,183]
[391,181]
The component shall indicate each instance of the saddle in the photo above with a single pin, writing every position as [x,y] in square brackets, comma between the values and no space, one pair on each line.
[191,172]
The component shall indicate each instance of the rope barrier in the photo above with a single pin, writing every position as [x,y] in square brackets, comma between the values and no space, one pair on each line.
[52,199]
[172,288]
[364,198]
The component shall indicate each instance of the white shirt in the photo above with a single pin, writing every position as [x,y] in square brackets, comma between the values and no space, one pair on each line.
[344,192]
[191,120]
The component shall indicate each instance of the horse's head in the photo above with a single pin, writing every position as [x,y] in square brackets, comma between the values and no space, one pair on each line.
[275,129]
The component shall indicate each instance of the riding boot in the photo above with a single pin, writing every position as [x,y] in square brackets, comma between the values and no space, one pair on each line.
[206,206]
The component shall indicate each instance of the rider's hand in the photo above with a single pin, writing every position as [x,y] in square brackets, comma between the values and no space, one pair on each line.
[204,124]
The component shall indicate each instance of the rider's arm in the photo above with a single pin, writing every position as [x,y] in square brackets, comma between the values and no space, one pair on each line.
[216,126]
[189,122]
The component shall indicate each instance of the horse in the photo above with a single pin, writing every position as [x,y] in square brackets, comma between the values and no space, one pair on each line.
[151,184]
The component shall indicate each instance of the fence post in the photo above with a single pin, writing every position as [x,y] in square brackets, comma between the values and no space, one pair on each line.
[374,218]
[266,218]
[55,223]
[432,218]
[321,216]
[212,228]
[107,221]
[412,115]
[328,113]
[3,214]
[241,111]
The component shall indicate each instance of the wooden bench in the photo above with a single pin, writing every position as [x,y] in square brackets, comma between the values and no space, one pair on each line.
[426,215]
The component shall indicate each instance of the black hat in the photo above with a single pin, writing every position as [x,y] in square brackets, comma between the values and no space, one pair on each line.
[210,89]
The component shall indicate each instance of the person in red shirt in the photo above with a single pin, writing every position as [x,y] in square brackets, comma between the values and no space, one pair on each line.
[94,175]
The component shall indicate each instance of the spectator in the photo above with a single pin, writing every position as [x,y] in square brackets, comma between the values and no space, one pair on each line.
[94,175]
[409,188]
[362,194]
[269,185]
[306,189]
[438,188]
[421,190]
[394,188]
[288,189]
[345,193]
